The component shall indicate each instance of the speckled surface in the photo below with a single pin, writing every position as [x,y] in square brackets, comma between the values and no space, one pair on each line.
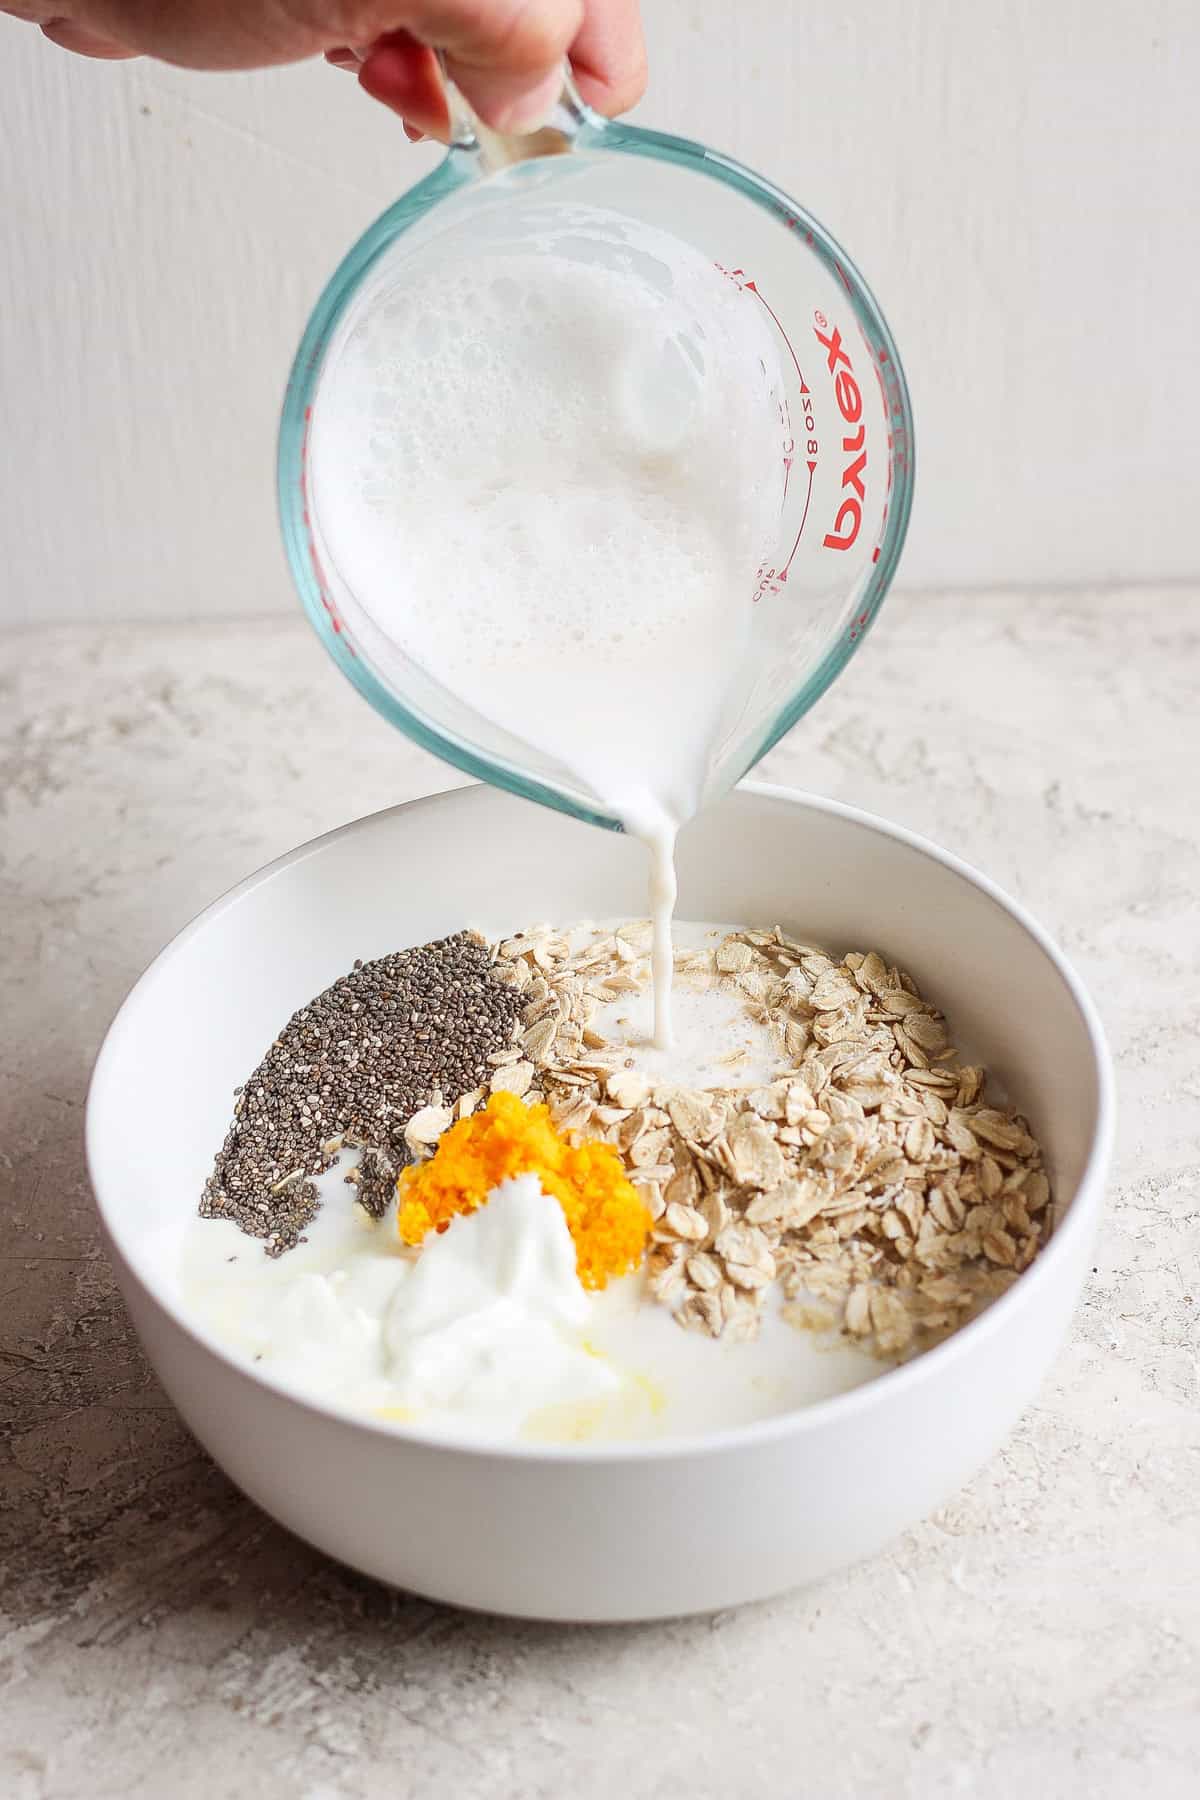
[1040,1634]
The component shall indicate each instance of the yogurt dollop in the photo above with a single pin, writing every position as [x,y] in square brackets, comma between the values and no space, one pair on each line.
[490,1318]
[485,1328]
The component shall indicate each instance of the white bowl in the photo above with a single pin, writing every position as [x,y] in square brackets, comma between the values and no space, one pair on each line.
[598,1532]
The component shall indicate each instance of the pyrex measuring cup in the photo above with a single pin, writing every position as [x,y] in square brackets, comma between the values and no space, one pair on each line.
[845,427]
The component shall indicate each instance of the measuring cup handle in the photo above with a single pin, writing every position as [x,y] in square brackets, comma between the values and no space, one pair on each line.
[556,135]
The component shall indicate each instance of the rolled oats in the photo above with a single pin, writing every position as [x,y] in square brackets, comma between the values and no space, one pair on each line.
[872,1181]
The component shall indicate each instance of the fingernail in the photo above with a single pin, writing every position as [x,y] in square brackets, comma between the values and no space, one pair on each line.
[412,134]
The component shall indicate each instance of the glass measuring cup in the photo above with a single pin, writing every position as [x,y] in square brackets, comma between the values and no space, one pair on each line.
[845,426]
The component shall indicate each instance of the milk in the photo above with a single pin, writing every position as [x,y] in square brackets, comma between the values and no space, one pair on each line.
[488,1335]
[549,471]
[317,1321]
[496,1339]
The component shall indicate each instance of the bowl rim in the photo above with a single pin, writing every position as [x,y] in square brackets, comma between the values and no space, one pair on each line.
[891,1383]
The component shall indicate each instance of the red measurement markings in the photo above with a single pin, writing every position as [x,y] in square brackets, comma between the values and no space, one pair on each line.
[793,223]
[789,442]
[769,579]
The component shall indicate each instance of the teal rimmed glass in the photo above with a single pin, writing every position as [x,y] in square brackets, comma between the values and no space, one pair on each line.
[846,439]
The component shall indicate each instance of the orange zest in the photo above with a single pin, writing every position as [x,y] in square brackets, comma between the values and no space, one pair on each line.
[603,1210]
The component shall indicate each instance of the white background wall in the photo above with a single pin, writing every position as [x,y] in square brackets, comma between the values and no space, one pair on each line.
[1020,181]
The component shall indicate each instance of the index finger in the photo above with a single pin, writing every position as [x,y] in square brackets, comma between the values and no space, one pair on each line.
[504,54]
[609,56]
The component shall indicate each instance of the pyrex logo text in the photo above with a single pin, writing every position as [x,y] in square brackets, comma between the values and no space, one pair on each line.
[848,523]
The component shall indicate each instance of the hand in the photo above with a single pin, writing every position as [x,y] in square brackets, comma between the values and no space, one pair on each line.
[505,55]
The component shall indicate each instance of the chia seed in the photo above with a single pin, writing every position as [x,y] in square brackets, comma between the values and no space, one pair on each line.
[349,1070]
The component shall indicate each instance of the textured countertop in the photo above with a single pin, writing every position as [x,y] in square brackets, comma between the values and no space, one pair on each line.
[1040,1634]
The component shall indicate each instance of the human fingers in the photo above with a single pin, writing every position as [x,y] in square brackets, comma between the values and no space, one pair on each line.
[65,30]
[404,75]
[505,55]
[608,56]
[69,36]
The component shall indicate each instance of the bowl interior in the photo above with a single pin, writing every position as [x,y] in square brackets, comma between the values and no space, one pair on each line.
[203,1015]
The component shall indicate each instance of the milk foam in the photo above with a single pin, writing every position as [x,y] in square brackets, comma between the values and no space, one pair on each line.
[549,471]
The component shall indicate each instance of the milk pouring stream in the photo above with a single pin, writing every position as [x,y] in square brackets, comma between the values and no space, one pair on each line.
[550,473]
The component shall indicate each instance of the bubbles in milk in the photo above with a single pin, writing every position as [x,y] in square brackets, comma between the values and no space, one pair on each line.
[548,467]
